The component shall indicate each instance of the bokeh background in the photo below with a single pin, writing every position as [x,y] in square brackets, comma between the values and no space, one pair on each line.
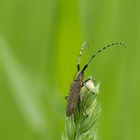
[39,46]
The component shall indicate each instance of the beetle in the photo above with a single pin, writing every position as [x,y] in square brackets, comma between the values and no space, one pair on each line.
[78,83]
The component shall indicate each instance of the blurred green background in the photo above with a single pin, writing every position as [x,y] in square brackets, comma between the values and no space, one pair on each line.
[39,46]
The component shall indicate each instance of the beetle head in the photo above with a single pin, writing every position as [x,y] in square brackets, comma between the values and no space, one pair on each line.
[79,76]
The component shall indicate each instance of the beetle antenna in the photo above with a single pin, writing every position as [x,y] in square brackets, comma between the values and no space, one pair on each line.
[85,44]
[108,46]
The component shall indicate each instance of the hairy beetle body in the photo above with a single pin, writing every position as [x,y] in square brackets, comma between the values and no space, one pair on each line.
[73,97]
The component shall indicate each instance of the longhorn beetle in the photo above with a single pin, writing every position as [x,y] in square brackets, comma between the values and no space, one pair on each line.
[78,83]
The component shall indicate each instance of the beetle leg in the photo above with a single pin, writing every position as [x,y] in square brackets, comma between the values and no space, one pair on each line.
[87,88]
[66,98]
[94,81]
[90,78]
[86,80]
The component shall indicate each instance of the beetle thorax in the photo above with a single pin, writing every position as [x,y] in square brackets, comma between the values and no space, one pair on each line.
[79,76]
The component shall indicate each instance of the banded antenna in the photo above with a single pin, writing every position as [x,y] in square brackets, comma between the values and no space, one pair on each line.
[84,45]
[108,46]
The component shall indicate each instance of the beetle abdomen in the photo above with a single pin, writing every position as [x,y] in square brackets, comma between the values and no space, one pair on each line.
[73,97]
